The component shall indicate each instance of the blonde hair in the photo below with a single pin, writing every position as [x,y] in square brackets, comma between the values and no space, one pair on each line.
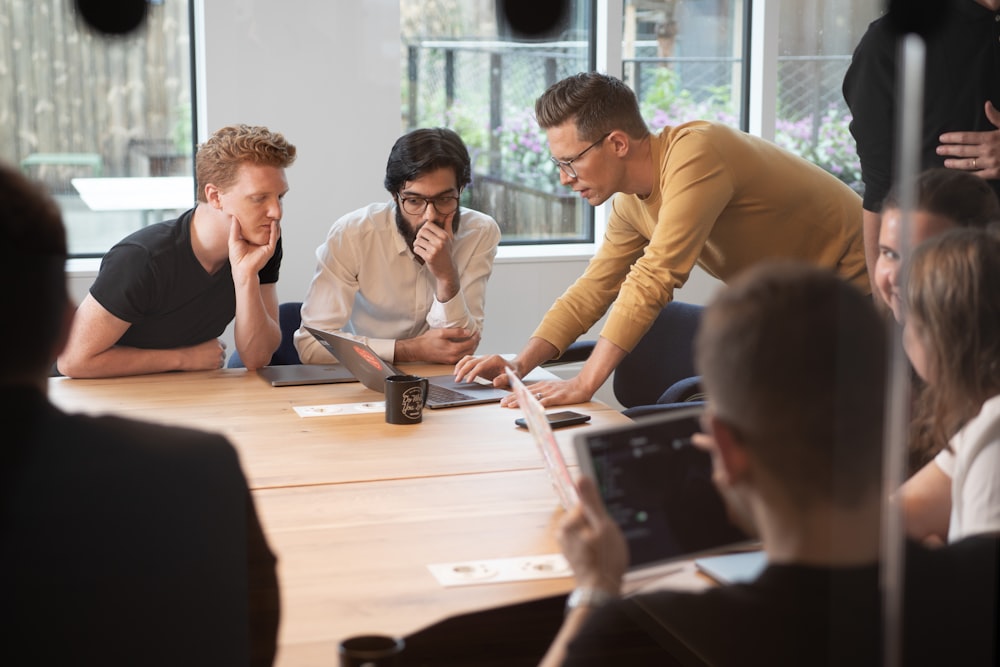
[219,159]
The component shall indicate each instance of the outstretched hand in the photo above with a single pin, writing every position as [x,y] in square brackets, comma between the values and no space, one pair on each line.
[553,392]
[976,152]
[491,366]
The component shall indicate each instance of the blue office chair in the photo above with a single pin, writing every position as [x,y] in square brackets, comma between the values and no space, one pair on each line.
[660,369]
[659,373]
[289,319]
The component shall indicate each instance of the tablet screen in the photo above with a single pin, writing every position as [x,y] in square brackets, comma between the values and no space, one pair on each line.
[658,487]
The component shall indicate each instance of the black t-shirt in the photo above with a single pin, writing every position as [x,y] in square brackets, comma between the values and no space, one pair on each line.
[962,73]
[798,615]
[153,280]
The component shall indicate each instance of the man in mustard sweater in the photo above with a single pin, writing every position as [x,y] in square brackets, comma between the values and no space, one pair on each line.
[698,193]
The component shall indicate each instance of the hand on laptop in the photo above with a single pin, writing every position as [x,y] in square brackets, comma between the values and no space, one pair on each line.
[492,367]
[592,542]
[437,346]
[553,392]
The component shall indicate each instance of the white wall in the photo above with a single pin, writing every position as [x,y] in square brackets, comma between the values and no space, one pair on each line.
[326,75]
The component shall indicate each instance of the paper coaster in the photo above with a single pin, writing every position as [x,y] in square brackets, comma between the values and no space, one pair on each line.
[336,409]
[521,568]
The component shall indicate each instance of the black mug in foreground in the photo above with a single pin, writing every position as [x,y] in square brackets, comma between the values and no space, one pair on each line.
[405,397]
[371,651]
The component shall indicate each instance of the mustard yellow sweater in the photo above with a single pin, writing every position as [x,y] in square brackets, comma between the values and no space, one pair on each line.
[725,200]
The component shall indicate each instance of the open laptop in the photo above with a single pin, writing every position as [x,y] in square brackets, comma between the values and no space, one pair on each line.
[443,391]
[301,374]
[658,488]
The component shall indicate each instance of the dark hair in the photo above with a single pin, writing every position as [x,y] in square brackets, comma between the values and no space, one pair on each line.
[219,159]
[794,359]
[966,199]
[953,303]
[596,103]
[33,266]
[425,150]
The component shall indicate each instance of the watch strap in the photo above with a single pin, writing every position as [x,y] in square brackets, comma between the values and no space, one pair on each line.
[588,597]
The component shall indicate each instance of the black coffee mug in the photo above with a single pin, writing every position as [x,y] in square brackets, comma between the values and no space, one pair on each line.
[371,651]
[405,397]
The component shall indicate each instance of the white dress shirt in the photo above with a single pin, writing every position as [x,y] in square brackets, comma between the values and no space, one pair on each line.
[369,284]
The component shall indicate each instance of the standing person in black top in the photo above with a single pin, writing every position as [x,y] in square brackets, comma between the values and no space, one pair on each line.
[960,117]
[167,292]
[793,361]
[121,542]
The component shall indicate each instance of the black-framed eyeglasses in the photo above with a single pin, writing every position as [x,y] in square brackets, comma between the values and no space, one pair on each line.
[417,205]
[567,165]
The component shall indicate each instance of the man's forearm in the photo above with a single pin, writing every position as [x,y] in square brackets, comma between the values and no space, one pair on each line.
[536,352]
[122,361]
[447,286]
[257,333]
[600,365]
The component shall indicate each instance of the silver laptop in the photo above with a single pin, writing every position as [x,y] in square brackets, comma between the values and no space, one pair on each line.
[300,374]
[658,488]
[372,370]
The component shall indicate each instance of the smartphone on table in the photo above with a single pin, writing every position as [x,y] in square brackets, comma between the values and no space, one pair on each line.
[559,419]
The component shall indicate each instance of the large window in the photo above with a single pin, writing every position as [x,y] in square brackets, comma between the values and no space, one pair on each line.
[463,68]
[104,123]
[687,61]
[815,43]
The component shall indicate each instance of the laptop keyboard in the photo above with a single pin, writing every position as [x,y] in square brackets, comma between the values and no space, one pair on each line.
[439,394]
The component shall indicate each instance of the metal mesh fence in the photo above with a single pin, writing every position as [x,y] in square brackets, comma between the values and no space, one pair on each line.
[486,92]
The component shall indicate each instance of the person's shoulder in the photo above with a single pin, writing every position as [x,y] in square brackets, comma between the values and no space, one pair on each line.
[373,218]
[984,427]
[694,134]
[146,440]
[687,128]
[153,240]
[479,223]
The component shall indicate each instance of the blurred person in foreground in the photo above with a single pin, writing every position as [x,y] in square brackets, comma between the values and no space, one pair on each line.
[121,542]
[794,363]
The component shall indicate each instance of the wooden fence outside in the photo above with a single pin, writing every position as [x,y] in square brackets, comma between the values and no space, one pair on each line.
[66,89]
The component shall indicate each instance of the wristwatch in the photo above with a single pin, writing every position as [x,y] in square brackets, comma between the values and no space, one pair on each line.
[588,597]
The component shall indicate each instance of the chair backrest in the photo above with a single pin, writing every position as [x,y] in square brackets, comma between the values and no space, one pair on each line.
[289,319]
[663,356]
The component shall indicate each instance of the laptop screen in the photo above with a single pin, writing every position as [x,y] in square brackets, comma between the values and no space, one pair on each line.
[658,487]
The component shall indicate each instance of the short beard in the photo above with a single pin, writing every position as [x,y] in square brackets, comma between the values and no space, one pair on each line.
[410,235]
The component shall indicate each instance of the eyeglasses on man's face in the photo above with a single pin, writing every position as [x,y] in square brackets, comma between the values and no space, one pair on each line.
[417,205]
[567,165]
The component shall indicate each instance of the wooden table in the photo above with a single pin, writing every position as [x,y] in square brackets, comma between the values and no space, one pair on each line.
[356,508]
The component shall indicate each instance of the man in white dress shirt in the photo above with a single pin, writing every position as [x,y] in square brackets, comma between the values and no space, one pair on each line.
[407,276]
